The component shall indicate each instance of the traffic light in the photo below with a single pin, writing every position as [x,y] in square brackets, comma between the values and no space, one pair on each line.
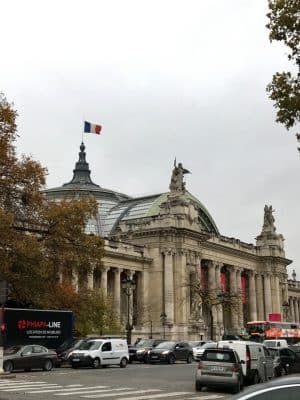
[3,335]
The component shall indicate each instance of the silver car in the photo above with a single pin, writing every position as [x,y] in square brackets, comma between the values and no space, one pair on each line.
[220,368]
[198,351]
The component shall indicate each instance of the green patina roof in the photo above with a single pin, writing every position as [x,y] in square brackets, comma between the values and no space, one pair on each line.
[204,215]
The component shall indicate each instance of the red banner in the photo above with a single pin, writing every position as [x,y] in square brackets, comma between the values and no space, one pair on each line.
[223,282]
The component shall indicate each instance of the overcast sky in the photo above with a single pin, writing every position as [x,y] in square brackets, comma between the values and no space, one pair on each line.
[165,78]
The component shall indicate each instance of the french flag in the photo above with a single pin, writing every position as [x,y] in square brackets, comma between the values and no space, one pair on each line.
[92,128]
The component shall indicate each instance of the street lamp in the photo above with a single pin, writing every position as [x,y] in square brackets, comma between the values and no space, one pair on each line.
[128,286]
[163,317]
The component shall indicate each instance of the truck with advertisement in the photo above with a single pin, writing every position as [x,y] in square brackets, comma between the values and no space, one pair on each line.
[49,328]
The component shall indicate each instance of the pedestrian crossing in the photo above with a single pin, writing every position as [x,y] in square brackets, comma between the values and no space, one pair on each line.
[97,391]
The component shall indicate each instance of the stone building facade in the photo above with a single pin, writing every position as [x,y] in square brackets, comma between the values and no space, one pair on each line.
[191,282]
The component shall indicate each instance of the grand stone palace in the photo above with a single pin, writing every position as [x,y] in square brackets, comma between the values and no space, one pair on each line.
[190,281]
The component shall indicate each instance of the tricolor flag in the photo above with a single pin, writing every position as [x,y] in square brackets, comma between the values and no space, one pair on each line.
[92,128]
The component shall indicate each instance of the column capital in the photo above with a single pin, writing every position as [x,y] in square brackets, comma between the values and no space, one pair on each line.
[117,271]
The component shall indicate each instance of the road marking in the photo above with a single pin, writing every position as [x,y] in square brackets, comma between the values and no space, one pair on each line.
[211,396]
[69,387]
[155,396]
[17,388]
[66,389]
[83,391]
[97,396]
[18,383]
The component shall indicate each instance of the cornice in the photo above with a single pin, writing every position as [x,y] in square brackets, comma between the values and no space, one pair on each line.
[128,256]
[230,250]
[167,231]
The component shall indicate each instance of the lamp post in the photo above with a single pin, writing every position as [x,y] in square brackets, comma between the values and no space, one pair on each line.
[128,286]
[163,317]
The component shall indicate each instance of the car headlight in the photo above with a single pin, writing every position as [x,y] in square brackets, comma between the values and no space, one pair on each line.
[140,351]
[165,352]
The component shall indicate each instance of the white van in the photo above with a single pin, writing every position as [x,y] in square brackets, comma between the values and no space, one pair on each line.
[275,343]
[99,352]
[257,362]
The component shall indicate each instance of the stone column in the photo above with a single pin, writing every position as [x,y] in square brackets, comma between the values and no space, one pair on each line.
[104,280]
[252,297]
[211,293]
[277,302]
[267,291]
[90,280]
[240,303]
[296,310]
[219,307]
[117,291]
[292,309]
[75,280]
[260,298]
[233,292]
[169,287]
[143,310]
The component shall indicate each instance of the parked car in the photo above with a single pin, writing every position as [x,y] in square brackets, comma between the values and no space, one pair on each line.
[287,388]
[65,349]
[144,346]
[258,363]
[198,351]
[220,368]
[28,357]
[170,352]
[275,343]
[132,353]
[100,352]
[286,361]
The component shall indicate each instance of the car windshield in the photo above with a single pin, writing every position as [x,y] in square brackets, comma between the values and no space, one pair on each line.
[165,345]
[90,345]
[12,350]
[195,343]
[145,343]
[274,352]
[221,356]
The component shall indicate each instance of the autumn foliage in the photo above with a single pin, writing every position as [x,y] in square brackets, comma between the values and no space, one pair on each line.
[42,241]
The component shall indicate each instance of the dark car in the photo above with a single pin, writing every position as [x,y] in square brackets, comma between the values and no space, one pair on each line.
[287,388]
[170,352]
[65,349]
[286,361]
[144,346]
[132,353]
[28,357]
[220,368]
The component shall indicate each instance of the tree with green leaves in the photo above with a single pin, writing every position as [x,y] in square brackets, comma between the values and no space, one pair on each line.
[284,90]
[41,241]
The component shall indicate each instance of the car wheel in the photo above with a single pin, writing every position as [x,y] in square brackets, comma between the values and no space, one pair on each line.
[48,365]
[284,371]
[96,363]
[189,359]
[8,366]
[27,369]
[75,366]
[198,387]
[256,378]
[171,359]
[123,363]
[237,387]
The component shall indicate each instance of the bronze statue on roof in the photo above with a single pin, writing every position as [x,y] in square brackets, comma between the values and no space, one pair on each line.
[177,185]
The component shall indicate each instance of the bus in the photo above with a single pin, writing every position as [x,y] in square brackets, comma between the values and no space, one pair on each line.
[263,330]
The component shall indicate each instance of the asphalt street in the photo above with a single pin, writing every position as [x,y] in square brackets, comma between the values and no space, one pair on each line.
[136,382]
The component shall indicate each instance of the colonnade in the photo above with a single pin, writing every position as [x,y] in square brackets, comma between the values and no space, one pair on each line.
[294,309]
